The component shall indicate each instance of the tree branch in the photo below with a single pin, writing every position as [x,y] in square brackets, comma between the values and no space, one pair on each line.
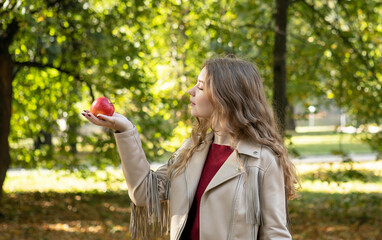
[6,10]
[60,69]
[294,1]
[250,25]
[9,34]
[341,35]
[42,66]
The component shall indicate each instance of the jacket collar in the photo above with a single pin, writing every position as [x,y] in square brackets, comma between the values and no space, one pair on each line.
[231,167]
[249,148]
[246,147]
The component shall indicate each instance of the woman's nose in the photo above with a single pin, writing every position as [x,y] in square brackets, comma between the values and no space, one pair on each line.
[192,91]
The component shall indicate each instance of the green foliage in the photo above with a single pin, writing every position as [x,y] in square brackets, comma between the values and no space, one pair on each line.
[335,54]
[345,174]
[80,54]
[375,141]
[145,55]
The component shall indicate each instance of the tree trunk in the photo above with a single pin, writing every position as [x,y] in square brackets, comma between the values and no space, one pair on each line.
[290,123]
[6,78]
[279,64]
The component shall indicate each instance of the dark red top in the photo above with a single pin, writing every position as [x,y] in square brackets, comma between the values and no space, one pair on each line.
[217,155]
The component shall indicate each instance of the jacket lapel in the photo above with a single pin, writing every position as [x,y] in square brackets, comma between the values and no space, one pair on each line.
[194,168]
[231,167]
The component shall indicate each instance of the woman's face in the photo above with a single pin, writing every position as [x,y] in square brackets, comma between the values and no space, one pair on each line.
[200,104]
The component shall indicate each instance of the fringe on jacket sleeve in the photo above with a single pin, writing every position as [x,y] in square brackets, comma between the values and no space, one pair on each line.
[154,218]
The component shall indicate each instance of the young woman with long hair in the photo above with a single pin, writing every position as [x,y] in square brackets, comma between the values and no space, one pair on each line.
[230,180]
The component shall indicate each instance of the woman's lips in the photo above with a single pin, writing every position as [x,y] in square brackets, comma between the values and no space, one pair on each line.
[192,104]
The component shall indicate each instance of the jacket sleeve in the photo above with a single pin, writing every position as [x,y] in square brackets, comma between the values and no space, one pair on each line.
[136,169]
[148,190]
[273,202]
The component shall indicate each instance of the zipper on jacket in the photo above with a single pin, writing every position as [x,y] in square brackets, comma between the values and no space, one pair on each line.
[253,231]
[234,201]
[233,206]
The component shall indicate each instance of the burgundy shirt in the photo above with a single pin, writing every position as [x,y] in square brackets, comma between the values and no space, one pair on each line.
[217,155]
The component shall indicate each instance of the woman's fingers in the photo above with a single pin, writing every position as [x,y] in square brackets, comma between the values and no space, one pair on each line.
[86,114]
[93,119]
[109,119]
[117,122]
[104,117]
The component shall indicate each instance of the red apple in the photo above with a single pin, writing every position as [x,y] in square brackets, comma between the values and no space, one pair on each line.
[102,105]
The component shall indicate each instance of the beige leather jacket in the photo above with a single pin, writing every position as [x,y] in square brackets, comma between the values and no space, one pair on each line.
[240,202]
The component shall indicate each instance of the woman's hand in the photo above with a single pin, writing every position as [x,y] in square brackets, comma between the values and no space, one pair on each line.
[117,122]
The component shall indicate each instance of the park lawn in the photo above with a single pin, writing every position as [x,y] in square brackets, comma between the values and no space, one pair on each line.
[318,215]
[326,143]
[42,204]
[338,201]
[86,215]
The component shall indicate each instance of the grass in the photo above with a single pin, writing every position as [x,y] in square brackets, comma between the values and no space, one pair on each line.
[343,178]
[54,215]
[326,142]
[317,215]
[40,180]
[337,201]
[323,177]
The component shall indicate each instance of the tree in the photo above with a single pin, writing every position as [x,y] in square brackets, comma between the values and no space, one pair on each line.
[52,53]
[57,56]
[65,53]
[279,64]
[6,77]
[335,51]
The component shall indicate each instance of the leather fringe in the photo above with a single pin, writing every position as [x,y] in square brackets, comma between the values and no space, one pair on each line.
[152,219]
[253,183]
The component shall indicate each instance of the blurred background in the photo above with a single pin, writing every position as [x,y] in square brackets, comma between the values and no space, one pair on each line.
[320,60]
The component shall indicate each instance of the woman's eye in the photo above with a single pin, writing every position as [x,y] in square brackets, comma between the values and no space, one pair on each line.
[200,88]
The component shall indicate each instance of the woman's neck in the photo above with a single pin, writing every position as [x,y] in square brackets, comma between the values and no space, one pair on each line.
[222,138]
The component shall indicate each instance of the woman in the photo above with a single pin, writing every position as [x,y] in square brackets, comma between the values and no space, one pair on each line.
[230,180]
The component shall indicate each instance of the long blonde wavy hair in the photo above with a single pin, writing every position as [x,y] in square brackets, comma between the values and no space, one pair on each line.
[235,89]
